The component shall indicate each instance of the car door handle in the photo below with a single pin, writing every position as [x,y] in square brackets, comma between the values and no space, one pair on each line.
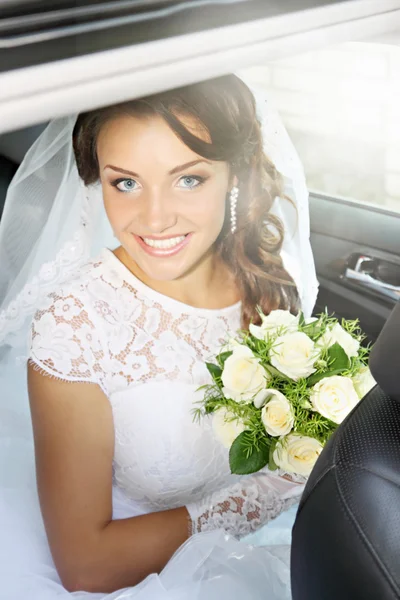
[363,273]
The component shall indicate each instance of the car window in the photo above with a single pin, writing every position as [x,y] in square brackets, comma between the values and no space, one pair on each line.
[340,107]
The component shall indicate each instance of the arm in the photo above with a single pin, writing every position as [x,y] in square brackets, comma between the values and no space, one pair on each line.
[245,506]
[74,444]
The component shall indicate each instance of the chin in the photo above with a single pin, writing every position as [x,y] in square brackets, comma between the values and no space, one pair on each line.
[164,274]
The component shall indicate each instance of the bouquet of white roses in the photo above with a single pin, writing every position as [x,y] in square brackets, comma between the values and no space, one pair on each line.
[282,388]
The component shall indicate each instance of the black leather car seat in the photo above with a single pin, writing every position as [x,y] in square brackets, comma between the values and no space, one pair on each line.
[346,537]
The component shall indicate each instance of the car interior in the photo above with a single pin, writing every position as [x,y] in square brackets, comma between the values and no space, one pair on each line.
[350,511]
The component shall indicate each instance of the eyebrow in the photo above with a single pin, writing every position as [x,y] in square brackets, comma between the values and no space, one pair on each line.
[172,172]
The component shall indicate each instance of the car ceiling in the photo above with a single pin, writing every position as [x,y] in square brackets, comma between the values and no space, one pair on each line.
[73,71]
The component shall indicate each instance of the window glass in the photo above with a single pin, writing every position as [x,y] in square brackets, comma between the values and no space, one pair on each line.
[341,108]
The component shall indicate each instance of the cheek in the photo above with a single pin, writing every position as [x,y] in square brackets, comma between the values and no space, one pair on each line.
[211,209]
[118,210]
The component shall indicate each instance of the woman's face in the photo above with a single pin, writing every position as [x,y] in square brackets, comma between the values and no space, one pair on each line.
[166,204]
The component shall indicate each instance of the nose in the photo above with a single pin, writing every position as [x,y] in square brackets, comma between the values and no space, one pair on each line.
[157,213]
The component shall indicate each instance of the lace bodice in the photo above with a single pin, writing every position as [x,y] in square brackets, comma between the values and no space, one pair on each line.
[148,353]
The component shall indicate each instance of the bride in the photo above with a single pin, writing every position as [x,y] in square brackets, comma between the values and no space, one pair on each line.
[182,189]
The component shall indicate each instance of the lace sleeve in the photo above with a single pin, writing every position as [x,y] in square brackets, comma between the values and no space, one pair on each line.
[65,342]
[246,506]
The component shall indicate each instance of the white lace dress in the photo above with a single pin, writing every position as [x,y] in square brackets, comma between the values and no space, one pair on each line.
[147,352]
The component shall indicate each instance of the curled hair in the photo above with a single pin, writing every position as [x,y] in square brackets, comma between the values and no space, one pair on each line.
[225,108]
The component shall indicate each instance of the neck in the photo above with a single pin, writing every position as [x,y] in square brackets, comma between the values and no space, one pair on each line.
[209,284]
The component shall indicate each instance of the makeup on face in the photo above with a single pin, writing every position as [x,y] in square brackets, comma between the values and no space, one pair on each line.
[166,204]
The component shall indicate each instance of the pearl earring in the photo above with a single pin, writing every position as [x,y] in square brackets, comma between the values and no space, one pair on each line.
[233,198]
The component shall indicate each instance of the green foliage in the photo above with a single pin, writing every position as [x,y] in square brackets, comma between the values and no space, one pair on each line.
[335,362]
[245,458]
[214,370]
[223,357]
[271,463]
[254,448]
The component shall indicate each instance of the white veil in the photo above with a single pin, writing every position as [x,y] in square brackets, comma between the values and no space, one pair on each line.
[52,223]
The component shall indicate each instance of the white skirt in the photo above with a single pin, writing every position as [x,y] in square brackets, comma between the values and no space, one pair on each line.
[209,566]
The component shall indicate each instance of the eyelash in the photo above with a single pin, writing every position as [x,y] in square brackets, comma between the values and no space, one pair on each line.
[116,183]
[200,181]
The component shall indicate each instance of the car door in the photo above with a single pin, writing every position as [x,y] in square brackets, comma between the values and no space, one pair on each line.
[357,254]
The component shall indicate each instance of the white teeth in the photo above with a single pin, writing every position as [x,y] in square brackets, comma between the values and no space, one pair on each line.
[164,244]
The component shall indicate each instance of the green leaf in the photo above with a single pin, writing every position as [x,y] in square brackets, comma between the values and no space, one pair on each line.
[302,320]
[313,379]
[214,370]
[241,461]
[272,466]
[223,357]
[275,373]
[339,362]
[339,357]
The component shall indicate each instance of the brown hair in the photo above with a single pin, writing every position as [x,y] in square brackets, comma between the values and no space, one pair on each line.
[225,107]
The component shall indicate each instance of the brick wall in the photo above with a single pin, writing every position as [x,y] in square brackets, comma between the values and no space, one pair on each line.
[341,107]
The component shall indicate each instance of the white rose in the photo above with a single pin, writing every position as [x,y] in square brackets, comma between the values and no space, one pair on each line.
[334,397]
[363,382]
[277,414]
[278,321]
[297,454]
[337,335]
[243,375]
[294,355]
[226,426]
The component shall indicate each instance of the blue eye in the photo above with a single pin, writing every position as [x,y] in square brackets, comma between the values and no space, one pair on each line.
[125,185]
[189,182]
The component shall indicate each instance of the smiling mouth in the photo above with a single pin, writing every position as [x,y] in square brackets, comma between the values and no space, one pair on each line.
[164,244]
[163,247]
